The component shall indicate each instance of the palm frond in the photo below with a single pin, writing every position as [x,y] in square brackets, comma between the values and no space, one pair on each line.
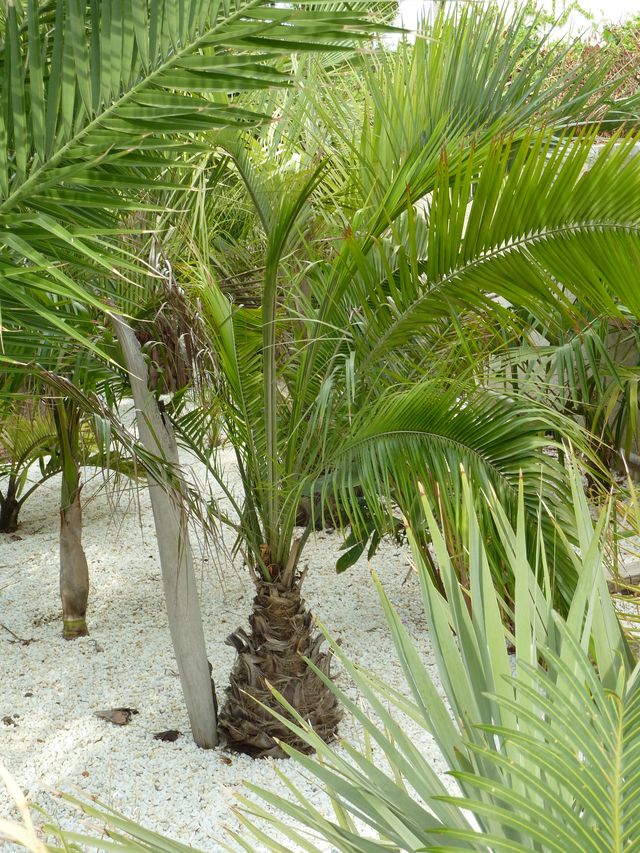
[95,96]
[426,439]
[474,74]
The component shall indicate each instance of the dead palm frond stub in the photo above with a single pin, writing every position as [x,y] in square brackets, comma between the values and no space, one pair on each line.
[170,330]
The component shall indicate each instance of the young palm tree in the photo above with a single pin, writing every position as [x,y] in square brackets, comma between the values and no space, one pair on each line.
[334,388]
[27,437]
[40,425]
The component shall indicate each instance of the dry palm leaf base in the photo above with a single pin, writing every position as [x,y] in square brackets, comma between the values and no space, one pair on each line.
[281,636]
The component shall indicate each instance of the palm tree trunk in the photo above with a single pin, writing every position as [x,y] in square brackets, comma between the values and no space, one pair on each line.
[74,571]
[272,654]
[176,558]
[9,508]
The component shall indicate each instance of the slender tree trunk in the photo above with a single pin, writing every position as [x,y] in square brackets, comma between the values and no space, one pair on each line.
[9,508]
[74,571]
[176,559]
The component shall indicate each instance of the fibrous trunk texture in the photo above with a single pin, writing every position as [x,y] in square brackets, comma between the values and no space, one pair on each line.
[272,654]
[9,509]
[74,572]
[176,558]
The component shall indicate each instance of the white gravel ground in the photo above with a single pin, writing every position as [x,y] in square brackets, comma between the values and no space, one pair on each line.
[51,688]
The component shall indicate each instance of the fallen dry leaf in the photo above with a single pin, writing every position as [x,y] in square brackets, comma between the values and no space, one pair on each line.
[169,736]
[117,716]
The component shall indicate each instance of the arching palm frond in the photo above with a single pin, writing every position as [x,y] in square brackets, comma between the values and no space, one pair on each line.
[534,227]
[537,234]
[95,96]
[426,439]
[474,73]
[524,227]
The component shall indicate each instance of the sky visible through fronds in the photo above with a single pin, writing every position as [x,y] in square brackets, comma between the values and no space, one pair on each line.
[583,17]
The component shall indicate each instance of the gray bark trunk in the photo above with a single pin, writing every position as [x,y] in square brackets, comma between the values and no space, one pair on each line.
[74,572]
[176,559]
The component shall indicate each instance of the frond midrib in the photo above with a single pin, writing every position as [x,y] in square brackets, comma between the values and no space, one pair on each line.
[486,257]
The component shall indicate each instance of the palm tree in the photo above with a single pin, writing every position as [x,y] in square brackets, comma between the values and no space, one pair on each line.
[27,437]
[40,425]
[100,100]
[333,388]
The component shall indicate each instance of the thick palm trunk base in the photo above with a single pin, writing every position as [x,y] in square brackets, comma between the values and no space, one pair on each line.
[9,511]
[74,573]
[9,508]
[281,634]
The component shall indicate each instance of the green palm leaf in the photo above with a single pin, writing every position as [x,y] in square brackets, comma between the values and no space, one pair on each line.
[427,438]
[96,95]
[532,227]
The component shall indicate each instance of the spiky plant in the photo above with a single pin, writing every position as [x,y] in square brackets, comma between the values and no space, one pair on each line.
[540,728]
[41,427]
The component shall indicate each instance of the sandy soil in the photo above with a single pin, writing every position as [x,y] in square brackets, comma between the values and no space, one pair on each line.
[51,689]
